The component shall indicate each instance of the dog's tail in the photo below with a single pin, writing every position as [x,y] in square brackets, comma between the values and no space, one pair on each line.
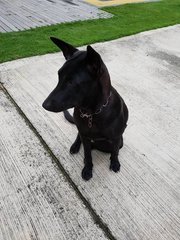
[68,116]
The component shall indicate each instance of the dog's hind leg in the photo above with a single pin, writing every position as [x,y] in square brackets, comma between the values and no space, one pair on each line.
[114,164]
[76,145]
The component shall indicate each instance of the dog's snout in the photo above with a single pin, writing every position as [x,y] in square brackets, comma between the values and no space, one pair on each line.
[51,105]
[48,105]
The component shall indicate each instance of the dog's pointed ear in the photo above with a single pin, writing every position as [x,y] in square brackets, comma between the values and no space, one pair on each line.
[96,64]
[67,49]
[93,58]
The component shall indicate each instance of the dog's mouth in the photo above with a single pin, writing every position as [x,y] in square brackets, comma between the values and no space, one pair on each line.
[53,108]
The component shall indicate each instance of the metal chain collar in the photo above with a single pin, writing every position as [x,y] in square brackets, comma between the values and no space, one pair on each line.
[90,116]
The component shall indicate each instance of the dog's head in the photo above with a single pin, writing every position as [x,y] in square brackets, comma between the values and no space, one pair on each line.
[83,73]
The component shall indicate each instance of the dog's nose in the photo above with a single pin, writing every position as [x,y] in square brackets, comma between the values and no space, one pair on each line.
[47,105]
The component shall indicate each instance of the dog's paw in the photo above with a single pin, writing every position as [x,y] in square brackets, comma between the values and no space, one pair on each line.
[115,166]
[74,148]
[86,173]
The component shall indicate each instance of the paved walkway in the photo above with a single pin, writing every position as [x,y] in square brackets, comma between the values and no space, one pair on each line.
[42,195]
[24,14]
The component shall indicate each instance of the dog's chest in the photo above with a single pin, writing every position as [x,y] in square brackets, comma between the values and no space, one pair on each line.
[88,125]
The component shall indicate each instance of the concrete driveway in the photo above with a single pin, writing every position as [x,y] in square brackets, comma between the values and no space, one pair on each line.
[42,195]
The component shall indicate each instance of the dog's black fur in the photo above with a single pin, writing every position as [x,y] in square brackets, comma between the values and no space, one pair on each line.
[100,113]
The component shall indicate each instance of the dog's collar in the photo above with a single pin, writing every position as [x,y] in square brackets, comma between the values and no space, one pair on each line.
[90,115]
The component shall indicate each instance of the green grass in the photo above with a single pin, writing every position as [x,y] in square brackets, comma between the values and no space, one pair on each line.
[128,19]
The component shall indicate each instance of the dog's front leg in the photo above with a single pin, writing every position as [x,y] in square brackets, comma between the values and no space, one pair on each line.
[87,170]
[115,164]
[76,145]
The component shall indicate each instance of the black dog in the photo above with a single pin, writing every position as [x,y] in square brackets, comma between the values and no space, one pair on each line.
[100,114]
